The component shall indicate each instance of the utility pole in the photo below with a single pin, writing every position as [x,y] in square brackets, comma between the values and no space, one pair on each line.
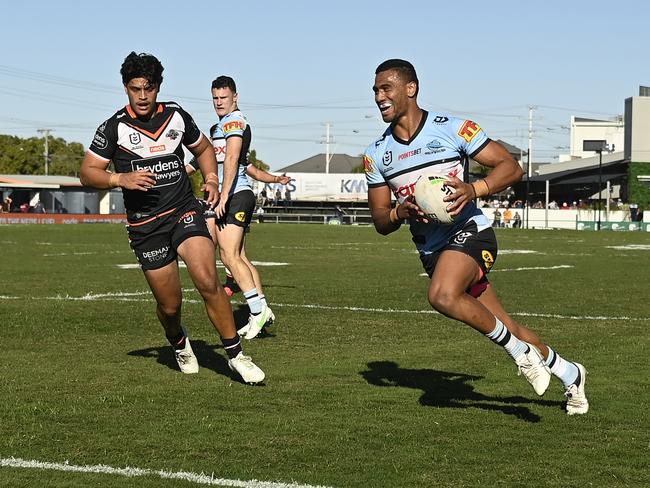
[46,152]
[327,142]
[530,153]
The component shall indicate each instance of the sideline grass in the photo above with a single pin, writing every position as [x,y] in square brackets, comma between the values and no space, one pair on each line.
[353,398]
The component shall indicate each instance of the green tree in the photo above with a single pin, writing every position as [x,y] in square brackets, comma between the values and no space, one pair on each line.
[360,168]
[26,156]
[258,163]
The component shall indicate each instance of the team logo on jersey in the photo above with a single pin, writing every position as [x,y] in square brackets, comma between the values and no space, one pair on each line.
[368,164]
[434,146]
[388,158]
[135,138]
[462,237]
[235,125]
[469,130]
[188,217]
[488,259]
[172,134]
[440,119]
[241,216]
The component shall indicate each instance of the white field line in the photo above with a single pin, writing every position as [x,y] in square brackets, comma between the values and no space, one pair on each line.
[181,264]
[631,247]
[145,296]
[84,253]
[198,478]
[559,266]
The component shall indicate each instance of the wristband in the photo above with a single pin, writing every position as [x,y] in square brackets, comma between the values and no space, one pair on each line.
[481,188]
[114,180]
[392,215]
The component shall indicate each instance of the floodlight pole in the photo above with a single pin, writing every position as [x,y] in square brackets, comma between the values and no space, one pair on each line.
[598,146]
[600,184]
[46,151]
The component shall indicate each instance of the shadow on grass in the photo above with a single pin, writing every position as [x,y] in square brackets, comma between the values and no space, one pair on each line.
[205,354]
[450,390]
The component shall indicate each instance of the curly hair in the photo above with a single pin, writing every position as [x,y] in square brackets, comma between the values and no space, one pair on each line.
[142,65]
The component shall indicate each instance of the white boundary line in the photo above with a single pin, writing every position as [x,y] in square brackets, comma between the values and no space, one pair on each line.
[145,296]
[198,478]
[181,264]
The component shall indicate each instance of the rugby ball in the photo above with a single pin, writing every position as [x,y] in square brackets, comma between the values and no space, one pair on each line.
[429,193]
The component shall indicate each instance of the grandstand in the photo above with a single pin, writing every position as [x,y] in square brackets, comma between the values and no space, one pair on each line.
[319,212]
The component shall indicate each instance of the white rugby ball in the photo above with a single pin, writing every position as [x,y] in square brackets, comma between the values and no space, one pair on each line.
[429,193]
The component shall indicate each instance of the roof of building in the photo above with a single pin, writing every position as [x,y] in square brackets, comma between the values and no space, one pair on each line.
[38,181]
[339,163]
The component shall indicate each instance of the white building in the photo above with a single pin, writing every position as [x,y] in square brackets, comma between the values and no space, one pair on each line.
[582,129]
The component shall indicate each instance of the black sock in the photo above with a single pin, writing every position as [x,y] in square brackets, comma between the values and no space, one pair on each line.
[177,341]
[232,346]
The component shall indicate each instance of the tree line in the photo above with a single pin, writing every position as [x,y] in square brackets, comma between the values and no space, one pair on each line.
[26,156]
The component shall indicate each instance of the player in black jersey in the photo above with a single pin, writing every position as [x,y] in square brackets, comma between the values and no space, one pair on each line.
[145,142]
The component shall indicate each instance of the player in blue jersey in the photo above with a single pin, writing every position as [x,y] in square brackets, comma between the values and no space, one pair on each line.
[458,256]
[230,286]
[144,141]
[231,138]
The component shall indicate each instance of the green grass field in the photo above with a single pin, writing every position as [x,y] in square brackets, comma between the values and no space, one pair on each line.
[365,386]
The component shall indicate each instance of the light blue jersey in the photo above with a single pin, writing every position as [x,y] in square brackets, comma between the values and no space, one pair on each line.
[439,147]
[232,125]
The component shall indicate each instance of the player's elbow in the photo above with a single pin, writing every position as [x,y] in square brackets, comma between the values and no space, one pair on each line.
[518,173]
[382,229]
[83,177]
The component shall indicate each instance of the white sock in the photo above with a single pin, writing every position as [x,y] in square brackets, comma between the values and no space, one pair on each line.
[253,300]
[565,370]
[263,299]
[502,336]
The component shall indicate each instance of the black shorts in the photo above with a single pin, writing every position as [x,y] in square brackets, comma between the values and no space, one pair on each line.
[481,246]
[154,240]
[239,209]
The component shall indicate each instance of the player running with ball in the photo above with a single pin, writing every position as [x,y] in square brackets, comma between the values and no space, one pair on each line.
[458,256]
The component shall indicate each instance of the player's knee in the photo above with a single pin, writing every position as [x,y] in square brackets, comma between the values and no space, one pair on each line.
[229,258]
[207,287]
[170,308]
[442,299]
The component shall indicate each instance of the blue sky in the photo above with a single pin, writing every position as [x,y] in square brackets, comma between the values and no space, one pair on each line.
[299,65]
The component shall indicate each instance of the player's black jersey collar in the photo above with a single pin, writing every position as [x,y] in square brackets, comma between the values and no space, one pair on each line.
[423,121]
[134,116]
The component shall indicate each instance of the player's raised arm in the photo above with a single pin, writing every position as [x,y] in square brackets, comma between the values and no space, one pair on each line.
[266,177]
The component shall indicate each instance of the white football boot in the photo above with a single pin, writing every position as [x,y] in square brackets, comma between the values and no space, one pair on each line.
[576,400]
[246,368]
[256,323]
[186,359]
[531,365]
